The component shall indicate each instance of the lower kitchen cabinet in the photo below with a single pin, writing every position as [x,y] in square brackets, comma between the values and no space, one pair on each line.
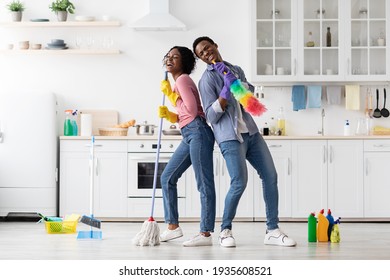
[110,178]
[376,178]
[327,174]
[281,154]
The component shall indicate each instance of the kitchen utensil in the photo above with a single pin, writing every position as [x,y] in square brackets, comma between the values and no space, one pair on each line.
[145,128]
[377,112]
[384,111]
[370,103]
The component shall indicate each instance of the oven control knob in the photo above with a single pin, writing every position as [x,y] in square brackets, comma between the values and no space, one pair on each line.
[171,146]
[141,146]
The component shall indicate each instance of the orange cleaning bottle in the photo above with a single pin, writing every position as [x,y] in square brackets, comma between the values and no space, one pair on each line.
[322,228]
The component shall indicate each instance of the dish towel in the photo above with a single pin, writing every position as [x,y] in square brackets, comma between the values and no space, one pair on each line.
[298,98]
[314,94]
[333,95]
[352,97]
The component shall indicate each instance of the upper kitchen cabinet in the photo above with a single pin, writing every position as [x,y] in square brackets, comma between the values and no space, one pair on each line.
[320,40]
[367,51]
[274,45]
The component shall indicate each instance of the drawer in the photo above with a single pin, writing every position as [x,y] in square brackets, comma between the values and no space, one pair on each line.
[279,145]
[100,145]
[377,145]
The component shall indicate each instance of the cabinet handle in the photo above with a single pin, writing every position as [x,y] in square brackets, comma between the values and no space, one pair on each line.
[366,167]
[96,145]
[96,167]
[274,146]
[288,166]
[217,167]
[223,168]
[295,66]
[381,146]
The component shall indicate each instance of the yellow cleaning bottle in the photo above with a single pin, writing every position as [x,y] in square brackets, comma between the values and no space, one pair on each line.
[322,228]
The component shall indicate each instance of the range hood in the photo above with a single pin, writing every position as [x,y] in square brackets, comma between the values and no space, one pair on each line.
[158,18]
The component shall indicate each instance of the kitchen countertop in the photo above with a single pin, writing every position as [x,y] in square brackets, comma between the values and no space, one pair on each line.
[165,137]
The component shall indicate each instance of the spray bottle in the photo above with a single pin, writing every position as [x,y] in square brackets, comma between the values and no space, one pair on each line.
[322,228]
[335,235]
[331,223]
[312,228]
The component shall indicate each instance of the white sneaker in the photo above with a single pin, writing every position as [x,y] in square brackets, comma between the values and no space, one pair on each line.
[278,238]
[171,234]
[199,240]
[226,238]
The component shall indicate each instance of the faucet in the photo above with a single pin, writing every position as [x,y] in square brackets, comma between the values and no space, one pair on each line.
[322,122]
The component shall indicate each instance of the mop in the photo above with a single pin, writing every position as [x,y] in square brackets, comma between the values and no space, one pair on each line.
[90,220]
[150,232]
[250,103]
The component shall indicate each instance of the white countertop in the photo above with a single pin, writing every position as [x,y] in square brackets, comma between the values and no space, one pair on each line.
[164,137]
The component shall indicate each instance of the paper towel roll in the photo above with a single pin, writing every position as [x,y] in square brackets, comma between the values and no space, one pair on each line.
[86,124]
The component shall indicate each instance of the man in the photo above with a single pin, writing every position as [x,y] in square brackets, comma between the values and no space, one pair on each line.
[239,140]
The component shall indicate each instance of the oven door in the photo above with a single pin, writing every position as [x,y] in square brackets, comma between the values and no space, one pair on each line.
[141,175]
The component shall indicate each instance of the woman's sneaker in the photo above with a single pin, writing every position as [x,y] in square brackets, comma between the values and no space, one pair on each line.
[171,234]
[199,240]
[278,238]
[226,238]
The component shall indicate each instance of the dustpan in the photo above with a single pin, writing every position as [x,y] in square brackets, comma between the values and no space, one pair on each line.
[90,220]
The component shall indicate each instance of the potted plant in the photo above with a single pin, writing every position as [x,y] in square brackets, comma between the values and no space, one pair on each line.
[16,7]
[62,8]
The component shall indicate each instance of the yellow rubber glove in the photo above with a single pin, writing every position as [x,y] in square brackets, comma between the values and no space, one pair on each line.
[167,90]
[163,112]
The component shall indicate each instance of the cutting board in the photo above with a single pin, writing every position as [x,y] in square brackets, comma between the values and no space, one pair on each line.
[100,119]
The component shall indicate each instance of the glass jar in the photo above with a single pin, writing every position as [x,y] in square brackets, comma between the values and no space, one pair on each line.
[363,13]
[275,14]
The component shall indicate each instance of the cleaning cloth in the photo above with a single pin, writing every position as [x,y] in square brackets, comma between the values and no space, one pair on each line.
[298,97]
[352,97]
[314,94]
[333,95]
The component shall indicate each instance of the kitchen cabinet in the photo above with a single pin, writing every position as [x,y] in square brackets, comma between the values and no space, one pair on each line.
[222,185]
[104,50]
[376,178]
[281,154]
[110,178]
[327,174]
[295,40]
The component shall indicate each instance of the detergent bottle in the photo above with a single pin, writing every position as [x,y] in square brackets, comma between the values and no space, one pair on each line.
[335,235]
[312,228]
[331,223]
[322,228]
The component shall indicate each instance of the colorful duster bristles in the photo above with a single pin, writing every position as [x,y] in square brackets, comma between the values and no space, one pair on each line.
[250,103]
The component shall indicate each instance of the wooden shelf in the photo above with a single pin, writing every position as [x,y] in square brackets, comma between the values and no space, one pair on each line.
[63,52]
[62,24]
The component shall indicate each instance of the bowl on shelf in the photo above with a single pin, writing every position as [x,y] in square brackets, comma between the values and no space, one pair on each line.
[57,42]
[24,45]
[36,46]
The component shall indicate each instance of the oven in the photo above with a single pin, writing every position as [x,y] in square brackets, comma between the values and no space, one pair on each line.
[141,164]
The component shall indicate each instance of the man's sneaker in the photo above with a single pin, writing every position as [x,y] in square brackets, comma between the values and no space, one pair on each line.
[226,238]
[278,238]
[199,240]
[171,234]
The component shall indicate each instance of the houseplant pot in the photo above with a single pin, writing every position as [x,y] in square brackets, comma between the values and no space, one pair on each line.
[62,8]
[16,8]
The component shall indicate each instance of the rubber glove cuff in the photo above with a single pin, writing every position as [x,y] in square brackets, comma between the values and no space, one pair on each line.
[165,87]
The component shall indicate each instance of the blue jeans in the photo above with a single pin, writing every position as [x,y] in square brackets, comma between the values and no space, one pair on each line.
[255,150]
[196,148]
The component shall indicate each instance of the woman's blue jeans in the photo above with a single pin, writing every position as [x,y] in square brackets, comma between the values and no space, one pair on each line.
[196,148]
[255,150]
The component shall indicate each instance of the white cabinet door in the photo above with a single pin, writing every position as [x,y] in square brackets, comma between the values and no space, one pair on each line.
[110,178]
[281,154]
[345,178]
[111,185]
[376,178]
[309,177]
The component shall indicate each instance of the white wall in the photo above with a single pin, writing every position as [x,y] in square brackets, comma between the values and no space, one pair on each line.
[129,82]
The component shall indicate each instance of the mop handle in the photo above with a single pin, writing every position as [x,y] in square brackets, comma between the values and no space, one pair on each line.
[157,154]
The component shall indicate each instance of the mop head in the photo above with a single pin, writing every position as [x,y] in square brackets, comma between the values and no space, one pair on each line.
[250,103]
[149,234]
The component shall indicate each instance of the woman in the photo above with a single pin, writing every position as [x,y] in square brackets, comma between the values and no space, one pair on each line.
[196,148]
